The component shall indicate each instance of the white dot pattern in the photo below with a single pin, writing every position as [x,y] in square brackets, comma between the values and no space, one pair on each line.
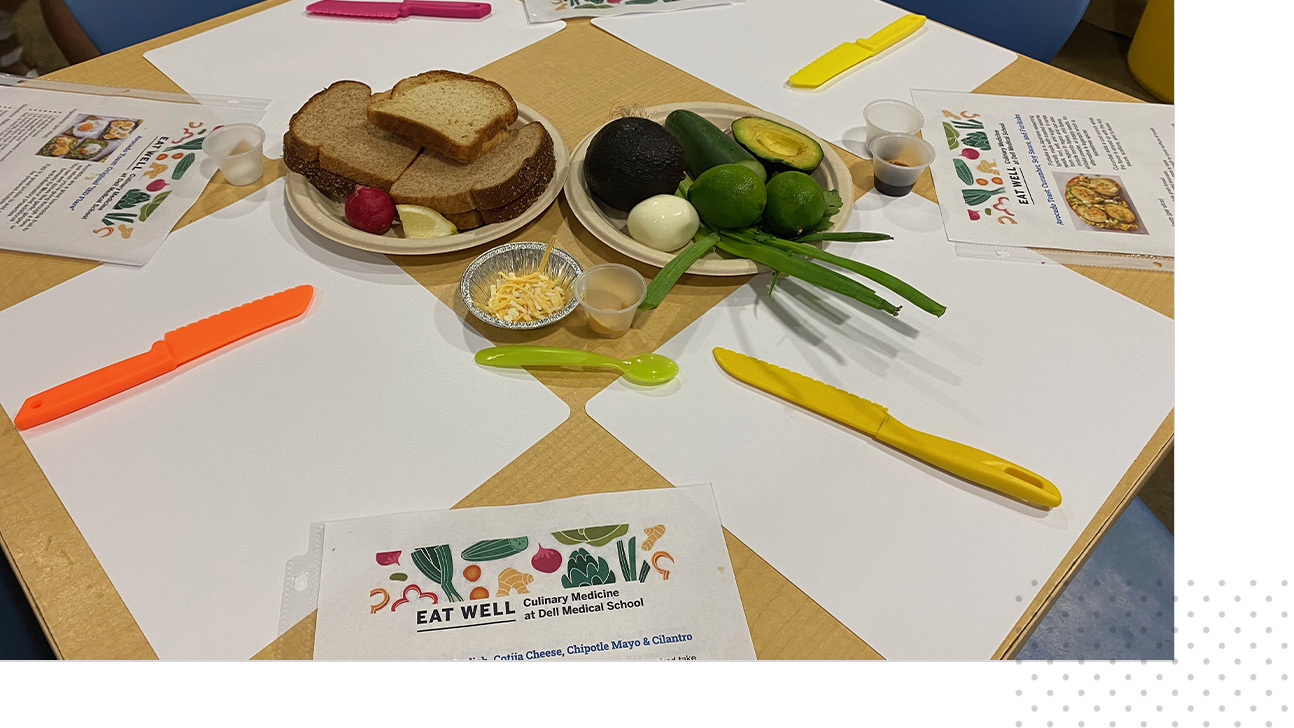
[1237,681]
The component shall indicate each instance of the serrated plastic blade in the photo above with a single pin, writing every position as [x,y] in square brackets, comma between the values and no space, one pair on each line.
[824,399]
[203,337]
[387,11]
[831,64]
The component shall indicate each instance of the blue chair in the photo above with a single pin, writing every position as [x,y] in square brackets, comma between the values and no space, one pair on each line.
[1119,606]
[20,635]
[112,26]
[1036,29]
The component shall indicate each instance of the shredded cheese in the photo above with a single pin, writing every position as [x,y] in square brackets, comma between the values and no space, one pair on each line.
[523,298]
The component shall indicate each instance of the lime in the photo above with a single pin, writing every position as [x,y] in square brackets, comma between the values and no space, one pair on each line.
[795,203]
[424,222]
[728,196]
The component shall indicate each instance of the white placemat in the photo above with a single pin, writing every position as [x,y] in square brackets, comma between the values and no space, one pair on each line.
[288,55]
[750,49]
[194,489]
[1034,363]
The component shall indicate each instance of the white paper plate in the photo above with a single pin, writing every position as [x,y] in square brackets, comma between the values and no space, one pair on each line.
[328,218]
[610,226]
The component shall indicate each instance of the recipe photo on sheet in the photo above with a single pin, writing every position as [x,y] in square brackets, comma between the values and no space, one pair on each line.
[1053,173]
[631,575]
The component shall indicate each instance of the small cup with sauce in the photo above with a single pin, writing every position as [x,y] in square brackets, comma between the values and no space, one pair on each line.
[898,160]
[609,294]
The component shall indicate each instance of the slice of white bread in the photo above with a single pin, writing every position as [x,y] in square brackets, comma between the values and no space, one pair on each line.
[330,141]
[504,174]
[456,115]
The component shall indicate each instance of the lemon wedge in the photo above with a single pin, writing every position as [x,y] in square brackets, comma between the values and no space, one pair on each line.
[424,222]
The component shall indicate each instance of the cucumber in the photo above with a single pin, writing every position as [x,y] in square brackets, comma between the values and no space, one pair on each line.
[706,146]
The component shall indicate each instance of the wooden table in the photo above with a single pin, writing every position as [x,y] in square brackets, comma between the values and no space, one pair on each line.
[81,611]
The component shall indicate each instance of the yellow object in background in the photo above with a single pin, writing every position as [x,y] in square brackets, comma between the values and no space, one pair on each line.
[1150,57]
[847,55]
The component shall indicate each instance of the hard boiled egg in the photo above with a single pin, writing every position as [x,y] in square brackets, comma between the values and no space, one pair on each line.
[664,222]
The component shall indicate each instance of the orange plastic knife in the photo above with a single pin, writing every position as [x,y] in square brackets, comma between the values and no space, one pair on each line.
[177,347]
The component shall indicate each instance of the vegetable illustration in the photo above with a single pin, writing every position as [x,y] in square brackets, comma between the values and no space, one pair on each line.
[156,185]
[479,592]
[115,217]
[655,562]
[546,560]
[970,153]
[973,214]
[653,535]
[963,171]
[987,167]
[388,558]
[148,209]
[979,197]
[629,562]
[593,535]
[977,139]
[437,564]
[420,594]
[375,608]
[582,569]
[194,143]
[968,124]
[131,198]
[495,548]
[399,576]
[182,166]
[512,580]
[951,135]
[472,572]
[644,571]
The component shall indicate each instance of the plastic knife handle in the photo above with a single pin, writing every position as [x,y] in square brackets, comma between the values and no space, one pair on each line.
[542,356]
[96,386]
[974,465]
[444,9]
[894,32]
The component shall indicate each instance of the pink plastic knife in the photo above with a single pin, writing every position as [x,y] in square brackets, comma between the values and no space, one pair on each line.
[391,11]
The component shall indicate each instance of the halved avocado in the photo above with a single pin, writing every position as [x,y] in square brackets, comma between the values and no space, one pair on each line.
[778,146]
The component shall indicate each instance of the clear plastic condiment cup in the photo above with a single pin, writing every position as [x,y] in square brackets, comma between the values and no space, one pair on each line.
[891,116]
[237,149]
[898,160]
[609,294]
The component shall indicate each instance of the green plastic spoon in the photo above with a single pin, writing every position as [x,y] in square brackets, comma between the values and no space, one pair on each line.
[640,369]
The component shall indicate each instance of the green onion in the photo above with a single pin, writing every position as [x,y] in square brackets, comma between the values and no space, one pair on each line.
[922,301]
[844,237]
[804,270]
[669,275]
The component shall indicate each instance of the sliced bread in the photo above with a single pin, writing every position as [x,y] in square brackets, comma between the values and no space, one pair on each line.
[456,115]
[494,180]
[331,142]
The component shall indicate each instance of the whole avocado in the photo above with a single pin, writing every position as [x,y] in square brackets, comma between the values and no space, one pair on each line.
[631,159]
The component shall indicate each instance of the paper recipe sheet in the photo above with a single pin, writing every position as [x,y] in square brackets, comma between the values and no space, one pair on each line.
[633,575]
[100,177]
[1052,173]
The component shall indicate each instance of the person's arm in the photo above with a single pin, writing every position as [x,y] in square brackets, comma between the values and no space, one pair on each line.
[65,31]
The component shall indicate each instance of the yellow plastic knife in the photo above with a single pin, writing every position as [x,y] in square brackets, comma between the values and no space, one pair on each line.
[870,418]
[847,55]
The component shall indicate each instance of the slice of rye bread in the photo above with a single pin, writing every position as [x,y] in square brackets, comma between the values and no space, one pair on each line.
[333,185]
[490,182]
[477,218]
[454,114]
[332,131]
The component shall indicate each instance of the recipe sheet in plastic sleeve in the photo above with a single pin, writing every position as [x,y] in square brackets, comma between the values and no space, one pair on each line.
[1015,171]
[100,177]
[631,575]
